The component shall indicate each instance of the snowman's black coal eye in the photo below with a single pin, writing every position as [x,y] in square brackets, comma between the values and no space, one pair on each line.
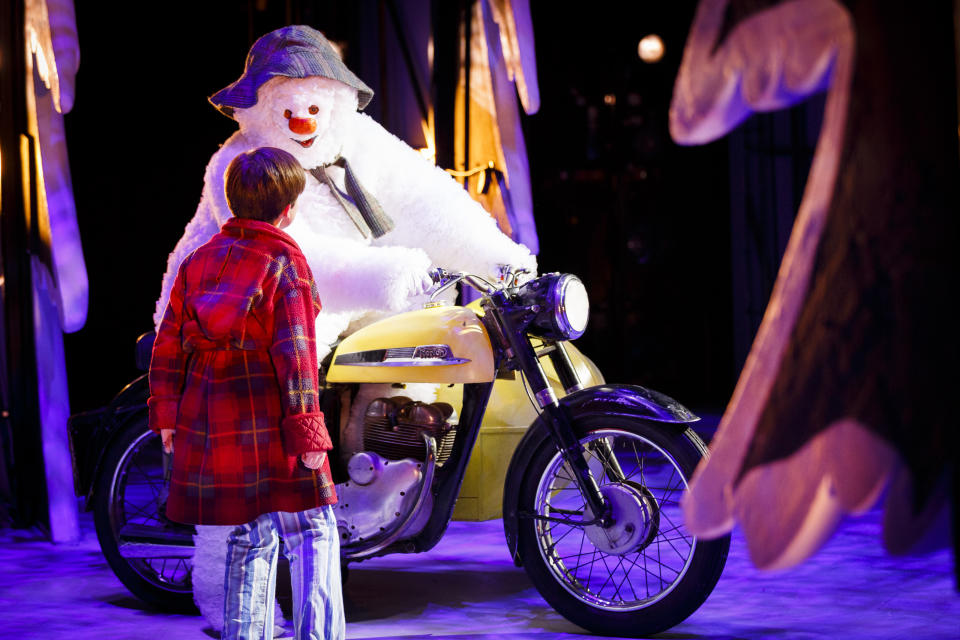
[314,109]
[288,114]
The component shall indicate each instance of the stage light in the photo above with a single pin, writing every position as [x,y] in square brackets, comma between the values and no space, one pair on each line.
[430,151]
[650,48]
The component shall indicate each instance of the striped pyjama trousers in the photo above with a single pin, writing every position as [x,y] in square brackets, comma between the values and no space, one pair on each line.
[312,546]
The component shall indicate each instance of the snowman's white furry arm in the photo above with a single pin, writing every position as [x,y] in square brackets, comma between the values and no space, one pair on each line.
[357,278]
[431,210]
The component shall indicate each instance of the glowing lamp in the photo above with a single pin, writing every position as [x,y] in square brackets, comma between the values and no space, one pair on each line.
[650,48]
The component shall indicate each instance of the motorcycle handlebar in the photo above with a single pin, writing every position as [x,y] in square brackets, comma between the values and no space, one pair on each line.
[446,279]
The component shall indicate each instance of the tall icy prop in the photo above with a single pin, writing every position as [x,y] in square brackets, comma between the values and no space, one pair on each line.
[833,408]
[58,273]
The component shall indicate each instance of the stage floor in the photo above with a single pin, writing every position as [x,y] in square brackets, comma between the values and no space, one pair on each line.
[467,588]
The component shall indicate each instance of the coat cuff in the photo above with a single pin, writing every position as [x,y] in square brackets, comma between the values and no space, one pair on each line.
[162,413]
[305,432]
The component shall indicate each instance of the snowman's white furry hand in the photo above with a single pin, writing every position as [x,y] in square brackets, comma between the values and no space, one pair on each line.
[525,275]
[517,273]
[530,264]
[421,282]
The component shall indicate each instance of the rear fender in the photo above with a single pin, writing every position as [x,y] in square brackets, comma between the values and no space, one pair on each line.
[609,399]
[91,433]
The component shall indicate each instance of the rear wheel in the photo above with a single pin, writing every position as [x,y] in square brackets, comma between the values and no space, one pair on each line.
[647,572]
[151,555]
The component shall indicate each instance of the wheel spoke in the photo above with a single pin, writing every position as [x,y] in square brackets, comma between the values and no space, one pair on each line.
[665,538]
[601,456]
[643,475]
[603,557]
[592,564]
[673,490]
[660,566]
[579,554]
[616,587]
[638,467]
[675,527]
[668,540]
[672,546]
[593,455]
[557,540]
[137,511]
[647,572]
[579,551]
[592,560]
[626,580]
[144,474]
[568,478]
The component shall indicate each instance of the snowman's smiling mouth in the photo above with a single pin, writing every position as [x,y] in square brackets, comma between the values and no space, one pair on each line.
[305,143]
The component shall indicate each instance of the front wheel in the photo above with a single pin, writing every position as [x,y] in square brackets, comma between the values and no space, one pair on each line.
[647,572]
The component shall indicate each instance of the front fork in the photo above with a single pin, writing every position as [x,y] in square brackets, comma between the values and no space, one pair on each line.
[560,422]
[571,382]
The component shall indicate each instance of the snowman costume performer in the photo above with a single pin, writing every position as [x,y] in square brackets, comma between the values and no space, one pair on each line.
[374,218]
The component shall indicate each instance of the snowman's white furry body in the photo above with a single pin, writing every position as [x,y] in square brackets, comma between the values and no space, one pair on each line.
[359,279]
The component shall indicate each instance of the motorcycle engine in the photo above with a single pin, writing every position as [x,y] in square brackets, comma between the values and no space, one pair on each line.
[385,477]
[392,428]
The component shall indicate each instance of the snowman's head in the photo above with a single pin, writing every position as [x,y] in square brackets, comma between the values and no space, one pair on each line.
[309,117]
[296,94]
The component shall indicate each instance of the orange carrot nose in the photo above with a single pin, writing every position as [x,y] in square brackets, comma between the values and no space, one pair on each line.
[303,125]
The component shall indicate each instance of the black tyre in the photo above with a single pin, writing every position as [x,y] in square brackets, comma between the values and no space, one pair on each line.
[645,574]
[151,555]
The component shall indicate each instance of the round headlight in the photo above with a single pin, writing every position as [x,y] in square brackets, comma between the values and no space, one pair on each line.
[573,309]
[562,306]
[571,306]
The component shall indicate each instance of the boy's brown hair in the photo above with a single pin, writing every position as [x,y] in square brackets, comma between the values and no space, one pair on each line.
[261,183]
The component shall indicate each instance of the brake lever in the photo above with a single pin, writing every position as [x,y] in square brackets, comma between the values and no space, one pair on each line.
[515,275]
[438,275]
[445,279]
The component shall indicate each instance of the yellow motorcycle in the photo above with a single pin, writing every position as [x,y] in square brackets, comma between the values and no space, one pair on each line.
[591,496]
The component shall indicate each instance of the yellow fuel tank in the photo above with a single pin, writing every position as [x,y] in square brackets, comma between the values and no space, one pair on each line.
[444,344]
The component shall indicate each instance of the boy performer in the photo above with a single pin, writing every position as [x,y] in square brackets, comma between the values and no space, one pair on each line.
[234,396]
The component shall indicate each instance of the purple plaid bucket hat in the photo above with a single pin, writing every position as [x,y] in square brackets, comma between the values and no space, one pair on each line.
[296,51]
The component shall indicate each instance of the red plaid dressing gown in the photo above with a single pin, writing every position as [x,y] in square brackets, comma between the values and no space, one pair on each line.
[234,371]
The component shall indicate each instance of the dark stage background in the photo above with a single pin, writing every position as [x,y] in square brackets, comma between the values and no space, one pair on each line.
[644,222]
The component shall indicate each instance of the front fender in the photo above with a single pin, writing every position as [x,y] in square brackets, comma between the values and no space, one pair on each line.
[609,399]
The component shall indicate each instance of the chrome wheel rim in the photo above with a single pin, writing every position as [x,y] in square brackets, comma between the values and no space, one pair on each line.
[137,492]
[638,574]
